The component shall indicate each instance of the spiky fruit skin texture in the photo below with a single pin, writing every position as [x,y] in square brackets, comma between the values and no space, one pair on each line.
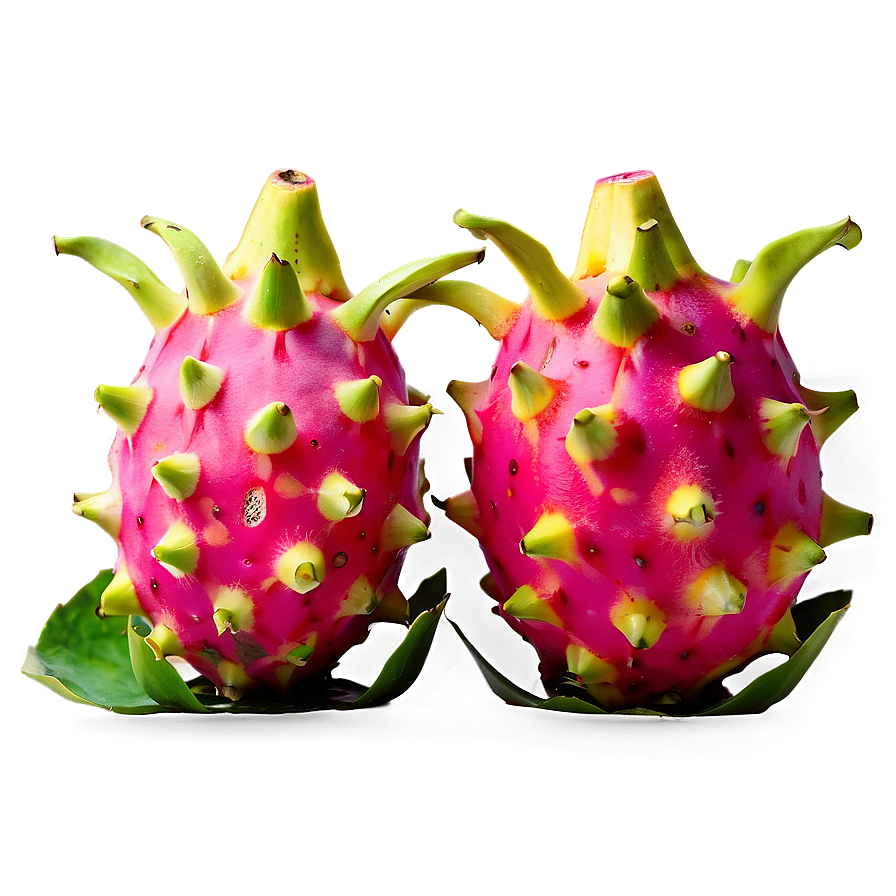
[266,480]
[250,508]
[646,532]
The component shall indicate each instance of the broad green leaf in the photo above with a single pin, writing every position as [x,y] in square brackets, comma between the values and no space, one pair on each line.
[85,658]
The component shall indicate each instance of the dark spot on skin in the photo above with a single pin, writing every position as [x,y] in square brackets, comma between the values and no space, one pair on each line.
[642,563]
[292,177]
[561,596]
[728,448]
[738,330]
[172,227]
[759,508]
[494,506]
[315,444]
[362,535]
[247,562]
[153,584]
[801,492]
[685,654]
[340,559]
[139,520]
[215,510]
[688,328]
[513,467]
[582,364]
[374,550]
[633,687]
[494,371]
[391,462]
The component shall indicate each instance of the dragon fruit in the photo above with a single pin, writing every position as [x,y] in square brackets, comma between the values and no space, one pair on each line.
[645,483]
[265,474]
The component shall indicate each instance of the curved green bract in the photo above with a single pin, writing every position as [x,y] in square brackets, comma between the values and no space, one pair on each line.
[555,296]
[208,289]
[487,308]
[102,663]
[161,305]
[761,291]
[815,622]
[360,315]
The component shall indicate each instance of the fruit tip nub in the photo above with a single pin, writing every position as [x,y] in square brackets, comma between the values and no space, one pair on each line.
[291,178]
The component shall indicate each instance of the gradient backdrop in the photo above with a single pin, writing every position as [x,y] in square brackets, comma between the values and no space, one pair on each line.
[759,119]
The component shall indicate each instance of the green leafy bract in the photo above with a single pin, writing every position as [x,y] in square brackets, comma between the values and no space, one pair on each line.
[815,622]
[107,663]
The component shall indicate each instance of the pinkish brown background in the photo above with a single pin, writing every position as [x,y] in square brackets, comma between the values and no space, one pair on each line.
[758,119]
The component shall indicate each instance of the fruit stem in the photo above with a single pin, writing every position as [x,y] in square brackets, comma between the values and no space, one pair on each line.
[287,221]
[619,206]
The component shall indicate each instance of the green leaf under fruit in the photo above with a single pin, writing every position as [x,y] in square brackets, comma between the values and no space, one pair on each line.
[403,667]
[158,678]
[815,621]
[85,658]
[107,663]
[818,617]
[429,595]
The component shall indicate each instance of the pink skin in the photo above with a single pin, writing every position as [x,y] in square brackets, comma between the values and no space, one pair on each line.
[298,367]
[663,443]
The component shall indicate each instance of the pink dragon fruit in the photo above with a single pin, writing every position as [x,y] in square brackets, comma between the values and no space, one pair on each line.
[265,473]
[645,482]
